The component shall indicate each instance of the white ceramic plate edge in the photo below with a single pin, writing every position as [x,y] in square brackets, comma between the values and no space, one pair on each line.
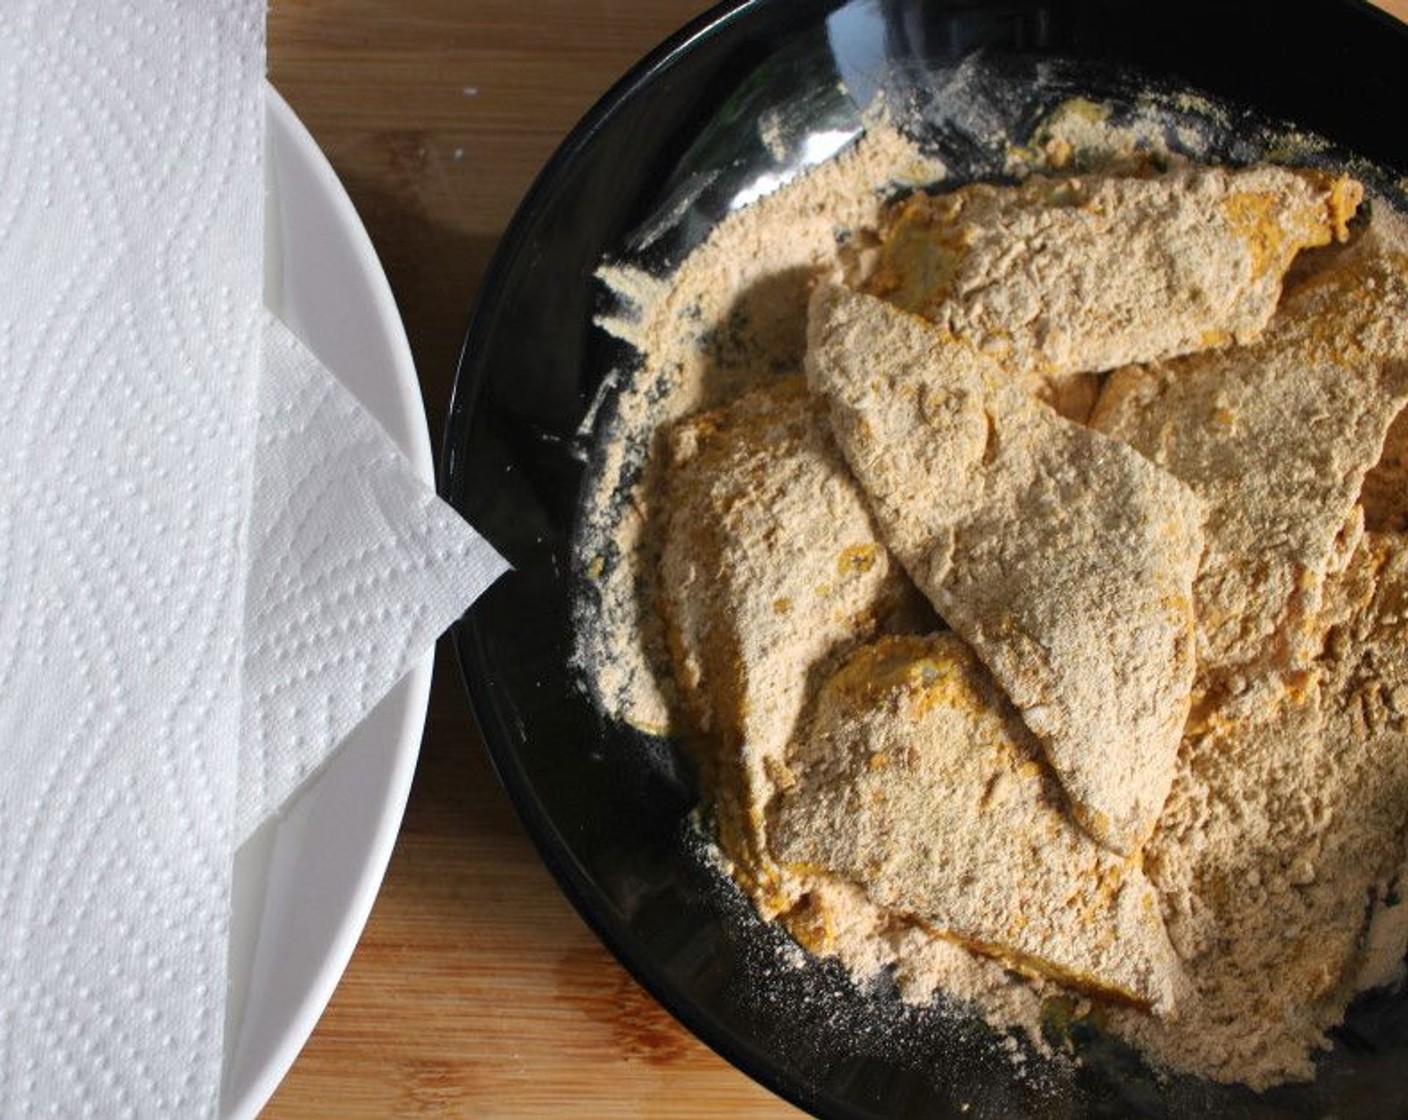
[305,882]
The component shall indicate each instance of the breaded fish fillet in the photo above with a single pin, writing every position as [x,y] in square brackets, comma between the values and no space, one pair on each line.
[1286,823]
[919,781]
[770,566]
[1065,558]
[1234,860]
[1276,438]
[1364,661]
[1071,275]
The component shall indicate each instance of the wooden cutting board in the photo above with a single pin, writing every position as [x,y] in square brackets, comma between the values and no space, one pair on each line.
[476,990]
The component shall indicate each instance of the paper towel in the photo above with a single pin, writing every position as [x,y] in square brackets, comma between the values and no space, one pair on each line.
[356,566]
[130,220]
[213,562]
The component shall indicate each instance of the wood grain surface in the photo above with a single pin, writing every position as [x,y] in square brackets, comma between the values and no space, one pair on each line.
[476,990]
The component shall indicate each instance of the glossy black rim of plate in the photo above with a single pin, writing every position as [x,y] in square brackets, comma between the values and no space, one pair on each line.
[607,806]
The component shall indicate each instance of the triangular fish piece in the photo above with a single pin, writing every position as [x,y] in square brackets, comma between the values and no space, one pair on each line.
[1062,556]
[1062,276]
[1276,437]
[1278,849]
[769,566]
[1233,860]
[1364,662]
[918,781]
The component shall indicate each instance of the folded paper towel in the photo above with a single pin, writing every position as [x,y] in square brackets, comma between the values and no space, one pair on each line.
[206,577]
[355,568]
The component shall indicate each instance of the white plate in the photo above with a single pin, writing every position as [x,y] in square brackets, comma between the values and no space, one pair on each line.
[305,882]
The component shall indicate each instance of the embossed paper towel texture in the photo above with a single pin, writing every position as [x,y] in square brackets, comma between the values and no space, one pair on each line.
[355,568]
[130,195]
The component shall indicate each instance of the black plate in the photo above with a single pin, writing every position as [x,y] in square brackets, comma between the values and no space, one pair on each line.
[607,805]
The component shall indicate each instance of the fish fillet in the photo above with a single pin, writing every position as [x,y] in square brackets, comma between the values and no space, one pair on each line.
[1065,558]
[1276,438]
[1285,828]
[1364,661]
[918,780]
[1064,276]
[770,565]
